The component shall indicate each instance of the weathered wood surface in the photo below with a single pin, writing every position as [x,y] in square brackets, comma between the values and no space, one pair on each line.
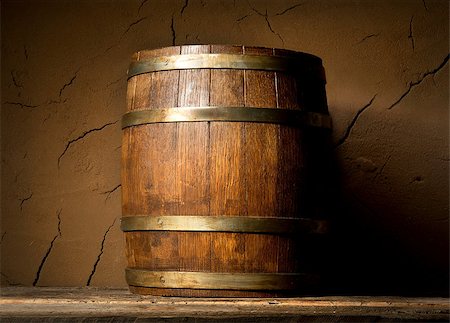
[90,304]
[217,168]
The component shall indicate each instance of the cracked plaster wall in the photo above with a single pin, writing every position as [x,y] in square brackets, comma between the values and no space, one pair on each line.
[63,92]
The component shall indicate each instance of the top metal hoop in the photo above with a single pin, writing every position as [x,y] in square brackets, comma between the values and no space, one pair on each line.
[222,61]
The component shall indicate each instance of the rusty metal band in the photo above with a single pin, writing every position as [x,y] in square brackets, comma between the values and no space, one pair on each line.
[226,114]
[230,281]
[223,224]
[222,61]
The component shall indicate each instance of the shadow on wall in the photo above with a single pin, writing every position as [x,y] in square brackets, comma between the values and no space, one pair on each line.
[359,256]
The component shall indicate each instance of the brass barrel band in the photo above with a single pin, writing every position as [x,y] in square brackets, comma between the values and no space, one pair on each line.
[226,61]
[228,114]
[223,224]
[229,281]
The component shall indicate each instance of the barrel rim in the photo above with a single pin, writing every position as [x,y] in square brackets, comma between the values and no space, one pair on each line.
[290,51]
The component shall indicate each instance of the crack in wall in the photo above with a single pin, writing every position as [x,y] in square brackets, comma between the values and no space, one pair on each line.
[353,122]
[25,52]
[172,29]
[172,22]
[288,9]
[88,61]
[367,37]
[186,3]
[8,281]
[380,171]
[131,25]
[3,236]
[116,81]
[102,245]
[142,5]
[13,77]
[67,85]
[84,134]
[22,201]
[108,193]
[59,221]
[48,102]
[22,105]
[49,250]
[411,36]
[416,83]
[243,17]
[425,5]
[266,18]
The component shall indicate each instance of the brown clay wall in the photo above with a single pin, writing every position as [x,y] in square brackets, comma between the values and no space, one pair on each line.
[63,74]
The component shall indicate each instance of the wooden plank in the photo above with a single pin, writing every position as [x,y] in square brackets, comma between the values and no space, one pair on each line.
[22,303]
[227,179]
[260,167]
[148,152]
[193,165]
[290,180]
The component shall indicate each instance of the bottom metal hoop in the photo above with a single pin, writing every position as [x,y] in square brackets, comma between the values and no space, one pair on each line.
[229,281]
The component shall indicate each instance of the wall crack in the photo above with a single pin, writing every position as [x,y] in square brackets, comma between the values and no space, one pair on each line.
[353,122]
[172,29]
[367,37]
[108,193]
[67,84]
[116,81]
[266,18]
[142,5]
[380,171]
[48,102]
[49,250]
[102,245]
[25,52]
[243,17]
[84,134]
[416,83]
[289,9]
[8,281]
[186,3]
[411,36]
[15,82]
[22,201]
[131,25]
[22,105]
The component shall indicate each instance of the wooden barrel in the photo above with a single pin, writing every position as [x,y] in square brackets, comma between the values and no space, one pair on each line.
[213,170]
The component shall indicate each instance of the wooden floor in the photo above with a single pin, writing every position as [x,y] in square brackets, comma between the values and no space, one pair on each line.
[24,304]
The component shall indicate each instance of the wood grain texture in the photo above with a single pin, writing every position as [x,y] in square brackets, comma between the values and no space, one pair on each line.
[28,304]
[215,168]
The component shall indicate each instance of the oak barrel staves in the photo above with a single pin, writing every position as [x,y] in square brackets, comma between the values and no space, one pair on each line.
[217,169]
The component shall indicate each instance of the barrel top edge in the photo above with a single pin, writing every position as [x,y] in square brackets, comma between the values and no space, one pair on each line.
[281,51]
